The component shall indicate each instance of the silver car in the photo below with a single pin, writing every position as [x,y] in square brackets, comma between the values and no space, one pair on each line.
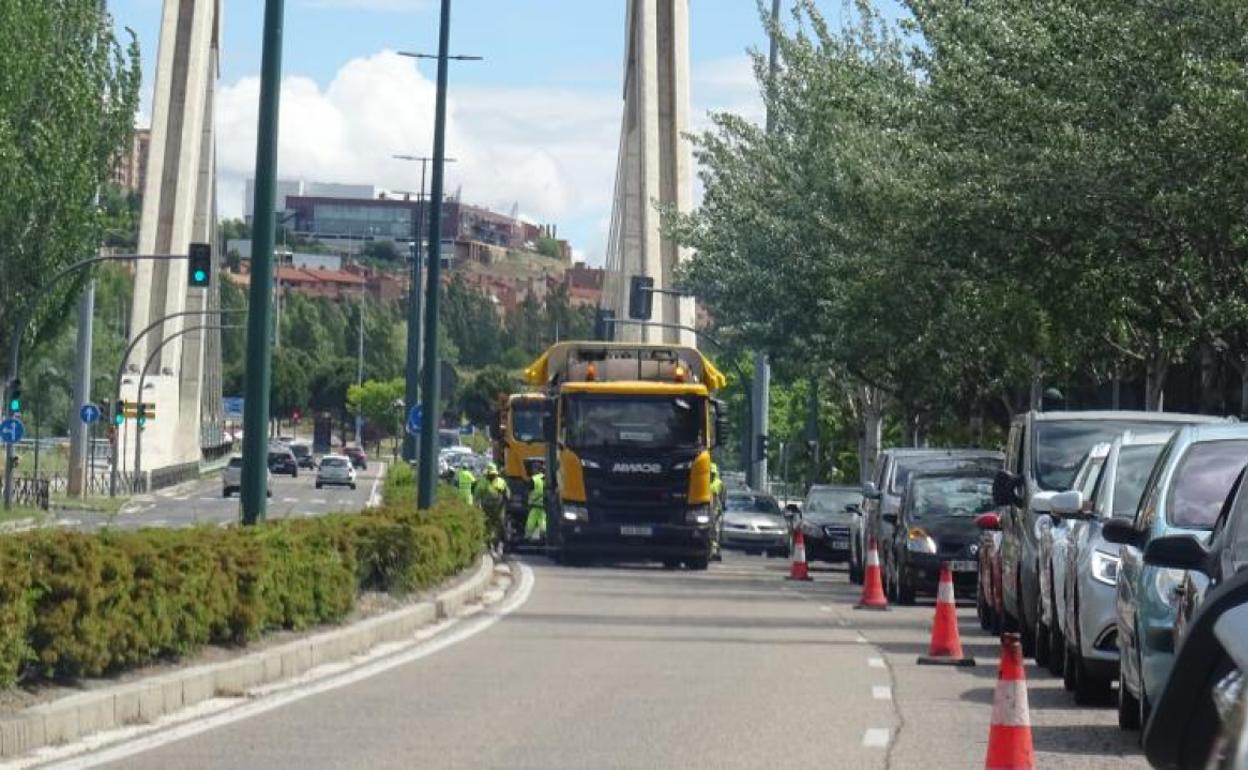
[232,478]
[335,470]
[1089,625]
[1054,534]
[754,522]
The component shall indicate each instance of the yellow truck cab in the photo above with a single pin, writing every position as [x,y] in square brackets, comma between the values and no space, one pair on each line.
[630,431]
[518,440]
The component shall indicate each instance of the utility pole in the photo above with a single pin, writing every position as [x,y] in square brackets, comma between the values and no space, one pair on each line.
[411,395]
[260,315]
[431,395]
[762,368]
[79,470]
[359,371]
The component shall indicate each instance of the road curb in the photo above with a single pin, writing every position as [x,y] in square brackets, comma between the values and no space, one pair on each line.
[76,716]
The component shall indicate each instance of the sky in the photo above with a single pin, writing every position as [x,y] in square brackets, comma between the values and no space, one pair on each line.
[535,126]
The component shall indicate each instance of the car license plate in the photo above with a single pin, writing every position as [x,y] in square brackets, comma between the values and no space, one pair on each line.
[964,566]
[840,545]
[636,531]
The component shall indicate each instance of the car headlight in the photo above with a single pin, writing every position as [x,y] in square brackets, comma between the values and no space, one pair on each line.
[919,541]
[1167,583]
[1105,567]
[699,515]
[593,466]
[572,512]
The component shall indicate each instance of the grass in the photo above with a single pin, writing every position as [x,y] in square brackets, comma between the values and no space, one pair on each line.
[109,505]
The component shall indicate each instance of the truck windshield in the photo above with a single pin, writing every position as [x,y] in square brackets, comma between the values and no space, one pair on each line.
[642,422]
[526,422]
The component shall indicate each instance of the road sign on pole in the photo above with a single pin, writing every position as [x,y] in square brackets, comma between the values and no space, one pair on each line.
[415,419]
[89,413]
[11,431]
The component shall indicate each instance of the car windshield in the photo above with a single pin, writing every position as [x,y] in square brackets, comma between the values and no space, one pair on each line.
[236,462]
[830,503]
[526,421]
[1135,463]
[300,450]
[1062,444]
[752,504]
[334,462]
[634,421]
[907,466]
[1202,481]
[943,497]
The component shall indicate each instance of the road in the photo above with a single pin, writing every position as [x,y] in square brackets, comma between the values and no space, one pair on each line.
[611,666]
[201,502]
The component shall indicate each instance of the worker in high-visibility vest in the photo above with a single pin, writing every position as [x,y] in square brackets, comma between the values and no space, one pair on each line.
[717,511]
[491,494]
[466,481]
[535,525]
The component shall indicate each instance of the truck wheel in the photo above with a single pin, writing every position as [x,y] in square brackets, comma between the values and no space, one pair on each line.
[698,563]
[671,564]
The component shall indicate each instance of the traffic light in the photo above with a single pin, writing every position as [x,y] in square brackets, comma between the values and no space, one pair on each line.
[641,298]
[14,396]
[296,415]
[764,444]
[119,413]
[142,414]
[604,326]
[199,266]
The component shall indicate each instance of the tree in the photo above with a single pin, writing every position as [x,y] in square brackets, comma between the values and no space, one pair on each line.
[290,383]
[382,251]
[550,247]
[68,94]
[379,402]
[480,398]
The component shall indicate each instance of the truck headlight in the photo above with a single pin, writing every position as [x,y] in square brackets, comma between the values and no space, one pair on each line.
[919,541]
[686,465]
[1105,567]
[699,515]
[573,512]
[593,466]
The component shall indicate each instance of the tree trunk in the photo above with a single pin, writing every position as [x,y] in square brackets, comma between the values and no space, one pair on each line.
[1209,396]
[870,405]
[1155,383]
[1035,399]
[1117,390]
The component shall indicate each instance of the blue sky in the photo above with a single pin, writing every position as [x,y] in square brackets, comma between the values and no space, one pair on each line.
[535,125]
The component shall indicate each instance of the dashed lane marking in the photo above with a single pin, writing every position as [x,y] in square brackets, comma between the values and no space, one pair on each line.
[319,501]
[290,499]
[882,692]
[876,663]
[876,738]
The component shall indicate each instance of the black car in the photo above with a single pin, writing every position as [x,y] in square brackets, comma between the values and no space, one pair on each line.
[936,524]
[303,456]
[282,461]
[827,514]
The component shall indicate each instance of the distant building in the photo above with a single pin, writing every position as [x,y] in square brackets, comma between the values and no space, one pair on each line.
[293,188]
[130,172]
[585,284]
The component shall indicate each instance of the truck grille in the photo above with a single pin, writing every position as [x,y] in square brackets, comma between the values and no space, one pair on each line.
[637,498]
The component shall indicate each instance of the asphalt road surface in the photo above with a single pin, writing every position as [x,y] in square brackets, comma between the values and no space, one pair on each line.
[201,502]
[634,666]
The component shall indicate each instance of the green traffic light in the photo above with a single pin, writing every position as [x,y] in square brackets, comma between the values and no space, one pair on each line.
[200,276]
[15,405]
[119,420]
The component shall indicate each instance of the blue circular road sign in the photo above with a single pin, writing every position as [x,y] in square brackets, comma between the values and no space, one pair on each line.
[415,418]
[89,413]
[11,431]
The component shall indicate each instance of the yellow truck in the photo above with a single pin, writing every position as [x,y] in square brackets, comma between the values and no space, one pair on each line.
[518,441]
[629,431]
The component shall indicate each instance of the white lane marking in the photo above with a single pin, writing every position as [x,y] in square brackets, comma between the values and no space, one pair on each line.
[876,738]
[139,739]
[374,495]
[861,639]
[207,499]
[882,692]
[290,499]
[319,501]
[182,498]
[825,608]
[876,663]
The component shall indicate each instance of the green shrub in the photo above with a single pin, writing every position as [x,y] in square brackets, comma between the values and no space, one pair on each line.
[16,611]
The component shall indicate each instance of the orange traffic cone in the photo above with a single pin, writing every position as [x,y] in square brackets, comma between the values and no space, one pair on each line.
[1009,738]
[799,570]
[872,584]
[946,646]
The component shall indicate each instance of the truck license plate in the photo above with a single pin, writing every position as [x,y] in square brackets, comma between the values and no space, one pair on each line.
[840,545]
[964,566]
[636,531]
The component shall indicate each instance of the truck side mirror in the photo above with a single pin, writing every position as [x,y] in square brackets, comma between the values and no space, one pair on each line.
[721,423]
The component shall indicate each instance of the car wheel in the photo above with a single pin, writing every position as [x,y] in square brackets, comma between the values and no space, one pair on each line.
[1041,643]
[905,591]
[1128,706]
[318,485]
[1068,668]
[1057,660]
[698,563]
[1088,689]
[225,493]
[352,487]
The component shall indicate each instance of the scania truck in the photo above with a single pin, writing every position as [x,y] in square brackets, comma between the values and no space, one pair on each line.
[629,430]
[518,441]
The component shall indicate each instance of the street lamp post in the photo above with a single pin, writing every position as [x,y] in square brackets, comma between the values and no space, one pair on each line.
[430,395]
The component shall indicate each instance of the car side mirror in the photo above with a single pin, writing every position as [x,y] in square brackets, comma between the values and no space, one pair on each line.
[1177,552]
[1005,489]
[988,522]
[1067,505]
[1121,531]
[890,518]
[1042,502]
[870,491]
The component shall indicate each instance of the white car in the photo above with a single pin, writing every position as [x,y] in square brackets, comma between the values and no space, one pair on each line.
[232,479]
[335,470]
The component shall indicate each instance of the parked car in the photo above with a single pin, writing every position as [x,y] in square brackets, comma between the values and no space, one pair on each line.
[1054,533]
[827,515]
[357,457]
[988,602]
[232,478]
[335,470]
[282,461]
[304,456]
[883,493]
[754,522]
[1043,453]
[1199,721]
[1183,496]
[1090,579]
[935,525]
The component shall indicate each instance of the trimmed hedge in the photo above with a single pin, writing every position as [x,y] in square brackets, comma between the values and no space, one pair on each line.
[75,604]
